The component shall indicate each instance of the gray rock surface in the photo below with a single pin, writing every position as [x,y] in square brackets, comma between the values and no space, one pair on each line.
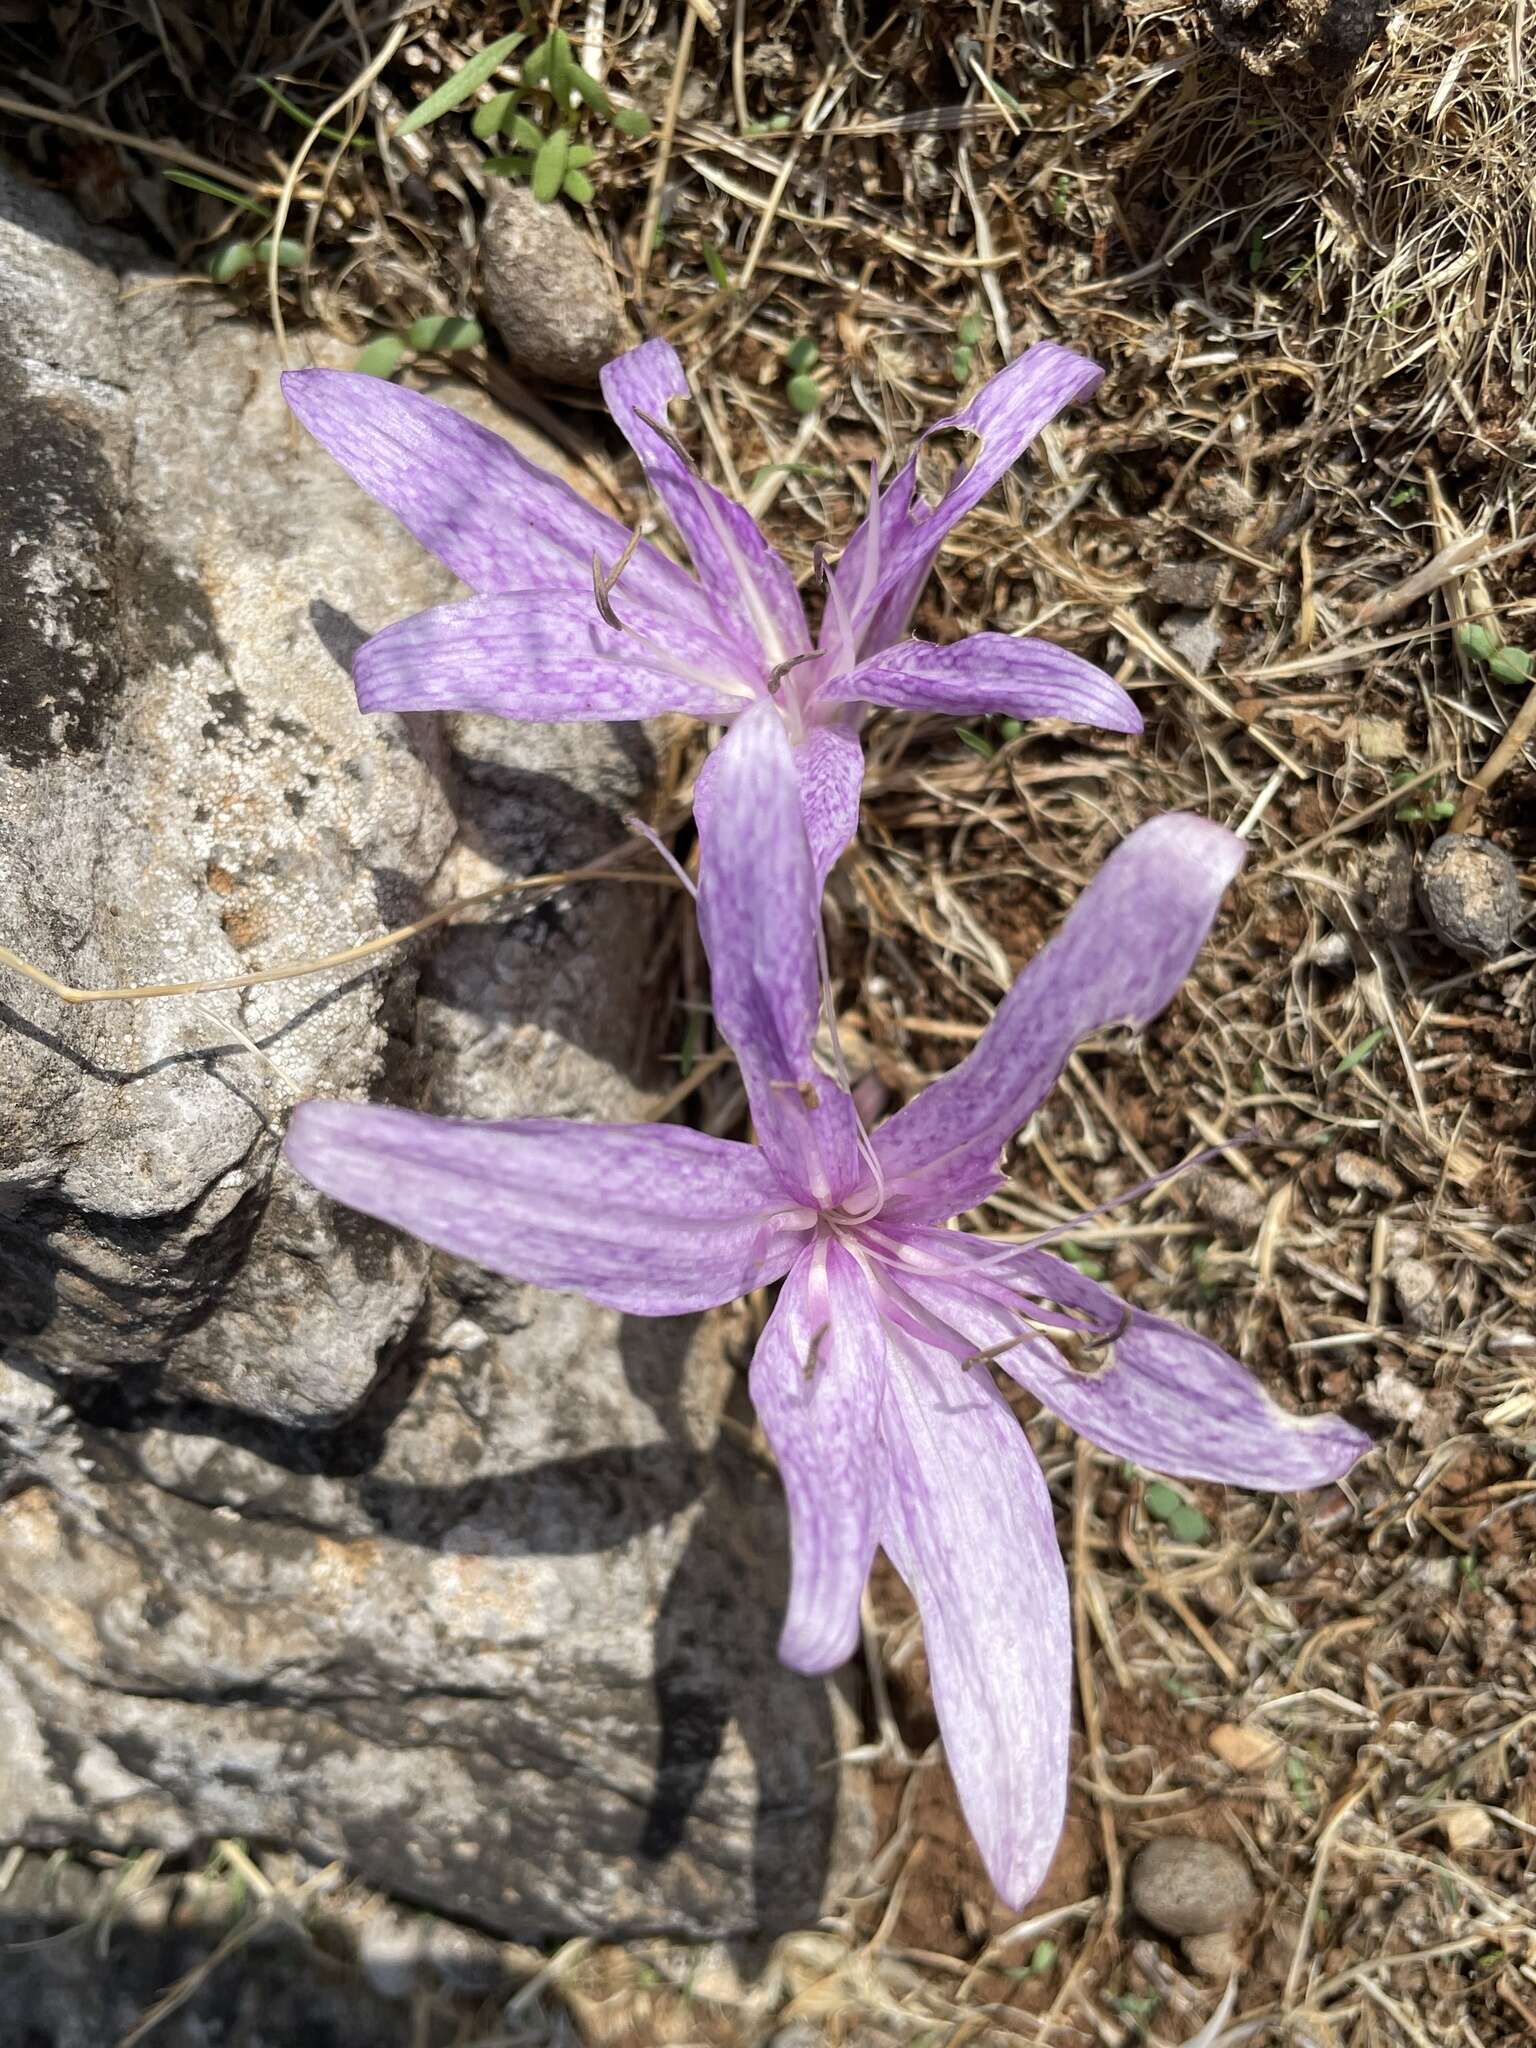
[547,290]
[306,1538]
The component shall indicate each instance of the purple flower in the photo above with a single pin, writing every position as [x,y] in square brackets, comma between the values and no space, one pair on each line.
[549,637]
[887,1429]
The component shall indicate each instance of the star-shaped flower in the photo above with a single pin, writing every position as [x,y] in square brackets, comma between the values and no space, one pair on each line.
[574,620]
[872,1378]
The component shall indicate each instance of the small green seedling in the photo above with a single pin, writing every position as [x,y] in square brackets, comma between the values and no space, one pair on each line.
[802,356]
[714,263]
[1160,1501]
[1187,1525]
[1043,1958]
[1507,664]
[541,116]
[803,393]
[434,334]
[233,259]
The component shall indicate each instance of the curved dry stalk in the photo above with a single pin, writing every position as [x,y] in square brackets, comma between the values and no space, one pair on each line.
[294,970]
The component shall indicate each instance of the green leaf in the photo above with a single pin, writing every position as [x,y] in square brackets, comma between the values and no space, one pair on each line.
[507,166]
[587,88]
[382,355]
[803,355]
[231,260]
[1479,642]
[1362,1051]
[960,365]
[549,165]
[579,156]
[968,736]
[631,122]
[576,185]
[1161,1502]
[803,393]
[970,330]
[1042,1958]
[467,79]
[1510,665]
[297,113]
[536,65]
[1187,1525]
[214,190]
[444,332]
[714,263]
[1010,728]
[493,115]
[290,254]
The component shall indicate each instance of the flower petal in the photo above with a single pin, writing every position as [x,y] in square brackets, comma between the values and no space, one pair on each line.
[889,558]
[646,1217]
[532,657]
[969,1527]
[746,578]
[497,520]
[760,916]
[990,672]
[1162,1396]
[830,764]
[1119,958]
[816,1385]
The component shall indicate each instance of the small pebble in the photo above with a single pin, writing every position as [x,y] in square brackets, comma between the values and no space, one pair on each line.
[1184,1885]
[1365,1175]
[1195,584]
[1417,1286]
[1385,889]
[1470,895]
[1195,637]
[1382,739]
[1211,1955]
[1231,1204]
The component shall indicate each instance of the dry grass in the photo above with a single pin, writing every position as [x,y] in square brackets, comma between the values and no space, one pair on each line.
[1317,313]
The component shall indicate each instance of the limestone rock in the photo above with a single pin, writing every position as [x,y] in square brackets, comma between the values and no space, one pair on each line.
[547,291]
[308,1537]
[187,790]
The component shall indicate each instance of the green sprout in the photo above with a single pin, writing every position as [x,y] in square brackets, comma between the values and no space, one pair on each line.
[540,117]
[434,334]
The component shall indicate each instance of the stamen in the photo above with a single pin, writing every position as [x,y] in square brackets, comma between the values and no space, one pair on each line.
[604,583]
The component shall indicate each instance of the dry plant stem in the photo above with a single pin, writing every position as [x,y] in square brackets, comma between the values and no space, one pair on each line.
[664,144]
[1082,1644]
[290,185]
[295,970]
[169,152]
[1521,731]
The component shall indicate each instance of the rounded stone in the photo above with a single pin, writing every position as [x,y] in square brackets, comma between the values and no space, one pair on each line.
[1184,1885]
[1470,895]
[547,290]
